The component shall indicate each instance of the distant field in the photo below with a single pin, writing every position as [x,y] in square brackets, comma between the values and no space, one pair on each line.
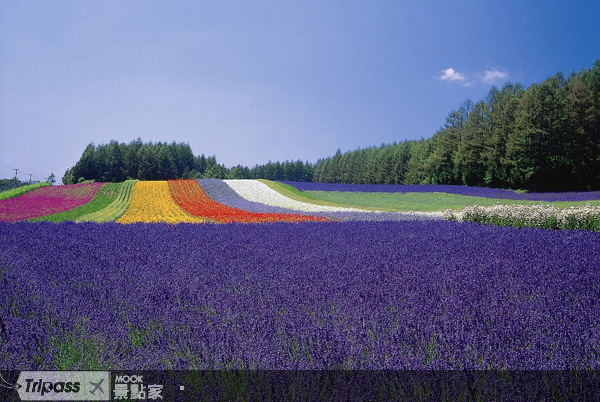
[484,192]
[423,201]
[428,201]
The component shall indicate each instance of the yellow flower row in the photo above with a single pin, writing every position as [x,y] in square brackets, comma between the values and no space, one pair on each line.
[152,202]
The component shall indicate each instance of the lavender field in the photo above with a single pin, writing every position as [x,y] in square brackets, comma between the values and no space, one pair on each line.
[363,295]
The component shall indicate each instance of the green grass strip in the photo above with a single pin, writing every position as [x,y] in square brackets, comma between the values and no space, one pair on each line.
[15,192]
[279,187]
[105,195]
[115,209]
[421,202]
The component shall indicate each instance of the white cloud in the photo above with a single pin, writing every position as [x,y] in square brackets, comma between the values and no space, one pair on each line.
[489,77]
[451,75]
[493,76]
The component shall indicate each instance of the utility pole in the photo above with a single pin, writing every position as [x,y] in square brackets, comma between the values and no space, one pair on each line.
[16,170]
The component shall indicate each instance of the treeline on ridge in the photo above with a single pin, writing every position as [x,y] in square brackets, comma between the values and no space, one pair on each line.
[116,162]
[543,138]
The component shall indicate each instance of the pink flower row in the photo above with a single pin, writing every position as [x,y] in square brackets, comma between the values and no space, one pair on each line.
[47,200]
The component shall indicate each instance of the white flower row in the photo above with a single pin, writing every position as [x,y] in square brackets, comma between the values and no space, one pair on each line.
[256,191]
[529,215]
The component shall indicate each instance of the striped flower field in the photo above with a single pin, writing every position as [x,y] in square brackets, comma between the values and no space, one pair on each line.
[254,201]
[219,274]
[180,201]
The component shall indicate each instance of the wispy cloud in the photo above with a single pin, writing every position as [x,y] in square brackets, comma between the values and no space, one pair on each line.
[493,76]
[451,75]
[489,77]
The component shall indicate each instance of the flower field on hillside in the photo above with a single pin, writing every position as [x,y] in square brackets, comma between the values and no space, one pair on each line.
[372,290]
[47,200]
[253,201]
[352,295]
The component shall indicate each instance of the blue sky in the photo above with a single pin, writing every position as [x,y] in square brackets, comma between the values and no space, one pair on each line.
[253,81]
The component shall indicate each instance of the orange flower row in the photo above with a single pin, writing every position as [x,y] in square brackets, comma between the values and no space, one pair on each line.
[192,199]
